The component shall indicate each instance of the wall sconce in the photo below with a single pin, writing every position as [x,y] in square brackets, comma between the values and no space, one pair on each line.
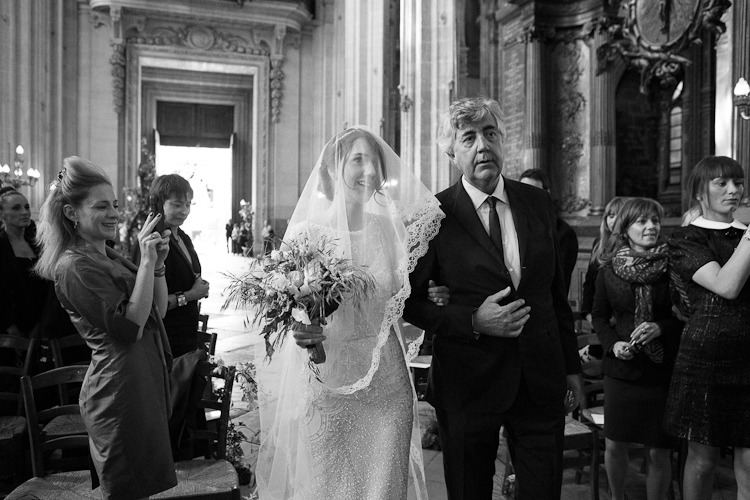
[742,98]
[406,102]
[16,180]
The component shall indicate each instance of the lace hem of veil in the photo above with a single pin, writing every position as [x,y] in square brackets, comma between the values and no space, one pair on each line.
[422,221]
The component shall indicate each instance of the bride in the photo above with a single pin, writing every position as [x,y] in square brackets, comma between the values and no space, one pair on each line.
[353,431]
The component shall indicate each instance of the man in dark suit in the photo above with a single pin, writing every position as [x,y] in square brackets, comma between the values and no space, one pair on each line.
[504,348]
[565,234]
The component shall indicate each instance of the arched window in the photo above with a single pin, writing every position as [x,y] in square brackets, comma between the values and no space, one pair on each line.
[673,179]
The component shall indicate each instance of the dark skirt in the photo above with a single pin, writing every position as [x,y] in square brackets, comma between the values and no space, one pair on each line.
[634,412]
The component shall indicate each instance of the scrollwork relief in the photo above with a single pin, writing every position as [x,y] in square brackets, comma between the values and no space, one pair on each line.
[118,62]
[571,107]
[277,76]
[197,37]
[654,33]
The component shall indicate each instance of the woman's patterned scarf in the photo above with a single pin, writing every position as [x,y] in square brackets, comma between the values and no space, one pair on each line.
[642,270]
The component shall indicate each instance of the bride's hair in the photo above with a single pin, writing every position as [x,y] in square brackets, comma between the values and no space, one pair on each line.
[337,152]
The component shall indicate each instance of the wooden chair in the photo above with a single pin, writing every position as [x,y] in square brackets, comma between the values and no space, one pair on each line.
[67,351]
[216,405]
[581,446]
[70,477]
[49,429]
[203,322]
[207,341]
[13,423]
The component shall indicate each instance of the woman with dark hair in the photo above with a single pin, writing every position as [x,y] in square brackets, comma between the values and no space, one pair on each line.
[606,227]
[117,309]
[639,350]
[171,196]
[709,398]
[351,431]
[29,305]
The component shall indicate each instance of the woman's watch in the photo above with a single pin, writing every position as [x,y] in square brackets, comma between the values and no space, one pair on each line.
[181,299]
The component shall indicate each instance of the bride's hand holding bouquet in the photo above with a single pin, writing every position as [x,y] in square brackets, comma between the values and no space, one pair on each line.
[295,288]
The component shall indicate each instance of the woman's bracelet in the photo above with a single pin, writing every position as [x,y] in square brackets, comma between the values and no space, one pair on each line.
[159,273]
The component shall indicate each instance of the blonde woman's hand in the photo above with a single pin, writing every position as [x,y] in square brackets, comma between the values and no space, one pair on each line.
[440,295]
[154,246]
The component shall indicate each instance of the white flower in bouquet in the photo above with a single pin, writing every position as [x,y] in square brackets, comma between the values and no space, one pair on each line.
[302,283]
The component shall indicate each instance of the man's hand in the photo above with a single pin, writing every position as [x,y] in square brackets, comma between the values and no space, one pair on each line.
[501,321]
[573,397]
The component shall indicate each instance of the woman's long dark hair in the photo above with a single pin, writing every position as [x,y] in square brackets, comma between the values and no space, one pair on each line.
[614,206]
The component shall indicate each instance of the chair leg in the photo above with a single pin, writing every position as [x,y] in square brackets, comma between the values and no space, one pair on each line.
[594,469]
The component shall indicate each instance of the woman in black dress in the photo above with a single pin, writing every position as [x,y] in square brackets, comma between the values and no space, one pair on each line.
[633,287]
[709,398]
[23,293]
[172,197]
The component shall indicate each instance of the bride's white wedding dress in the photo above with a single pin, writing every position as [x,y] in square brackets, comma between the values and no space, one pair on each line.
[360,441]
[352,432]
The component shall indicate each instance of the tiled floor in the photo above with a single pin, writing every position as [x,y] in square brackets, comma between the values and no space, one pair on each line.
[236,343]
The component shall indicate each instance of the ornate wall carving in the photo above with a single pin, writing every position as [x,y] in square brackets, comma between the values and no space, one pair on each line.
[655,33]
[569,138]
[255,39]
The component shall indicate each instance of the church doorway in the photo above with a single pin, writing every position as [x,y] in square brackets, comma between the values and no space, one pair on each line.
[194,140]
[209,171]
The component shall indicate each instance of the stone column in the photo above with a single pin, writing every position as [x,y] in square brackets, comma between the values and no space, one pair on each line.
[428,73]
[603,159]
[741,66]
[533,141]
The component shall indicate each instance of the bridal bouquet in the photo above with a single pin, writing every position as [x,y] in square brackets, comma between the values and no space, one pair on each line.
[302,283]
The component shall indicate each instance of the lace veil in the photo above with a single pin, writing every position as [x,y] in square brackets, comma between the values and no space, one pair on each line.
[378,214]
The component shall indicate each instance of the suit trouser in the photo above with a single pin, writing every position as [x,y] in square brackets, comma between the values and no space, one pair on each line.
[535,440]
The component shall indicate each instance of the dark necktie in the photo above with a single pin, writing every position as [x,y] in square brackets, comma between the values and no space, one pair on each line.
[496,234]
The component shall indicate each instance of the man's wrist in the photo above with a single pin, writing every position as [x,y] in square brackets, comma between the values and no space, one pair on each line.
[473,324]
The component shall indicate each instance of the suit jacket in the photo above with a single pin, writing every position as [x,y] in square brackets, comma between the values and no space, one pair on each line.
[568,249]
[483,374]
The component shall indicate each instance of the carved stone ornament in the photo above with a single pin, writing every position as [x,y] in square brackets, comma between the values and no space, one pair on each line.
[276,75]
[655,32]
[198,37]
[117,61]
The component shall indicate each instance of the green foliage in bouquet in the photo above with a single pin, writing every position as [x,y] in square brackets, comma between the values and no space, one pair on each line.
[302,283]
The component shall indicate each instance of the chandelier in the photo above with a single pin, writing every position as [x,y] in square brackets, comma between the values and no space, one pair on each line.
[16,179]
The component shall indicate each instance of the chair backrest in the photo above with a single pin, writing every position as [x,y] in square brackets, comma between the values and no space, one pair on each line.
[593,394]
[203,322]
[207,341]
[219,399]
[12,347]
[70,350]
[43,461]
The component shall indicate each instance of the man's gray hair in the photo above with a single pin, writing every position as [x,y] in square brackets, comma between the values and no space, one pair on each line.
[467,111]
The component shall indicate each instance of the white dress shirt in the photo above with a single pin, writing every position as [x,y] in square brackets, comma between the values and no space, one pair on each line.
[510,237]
